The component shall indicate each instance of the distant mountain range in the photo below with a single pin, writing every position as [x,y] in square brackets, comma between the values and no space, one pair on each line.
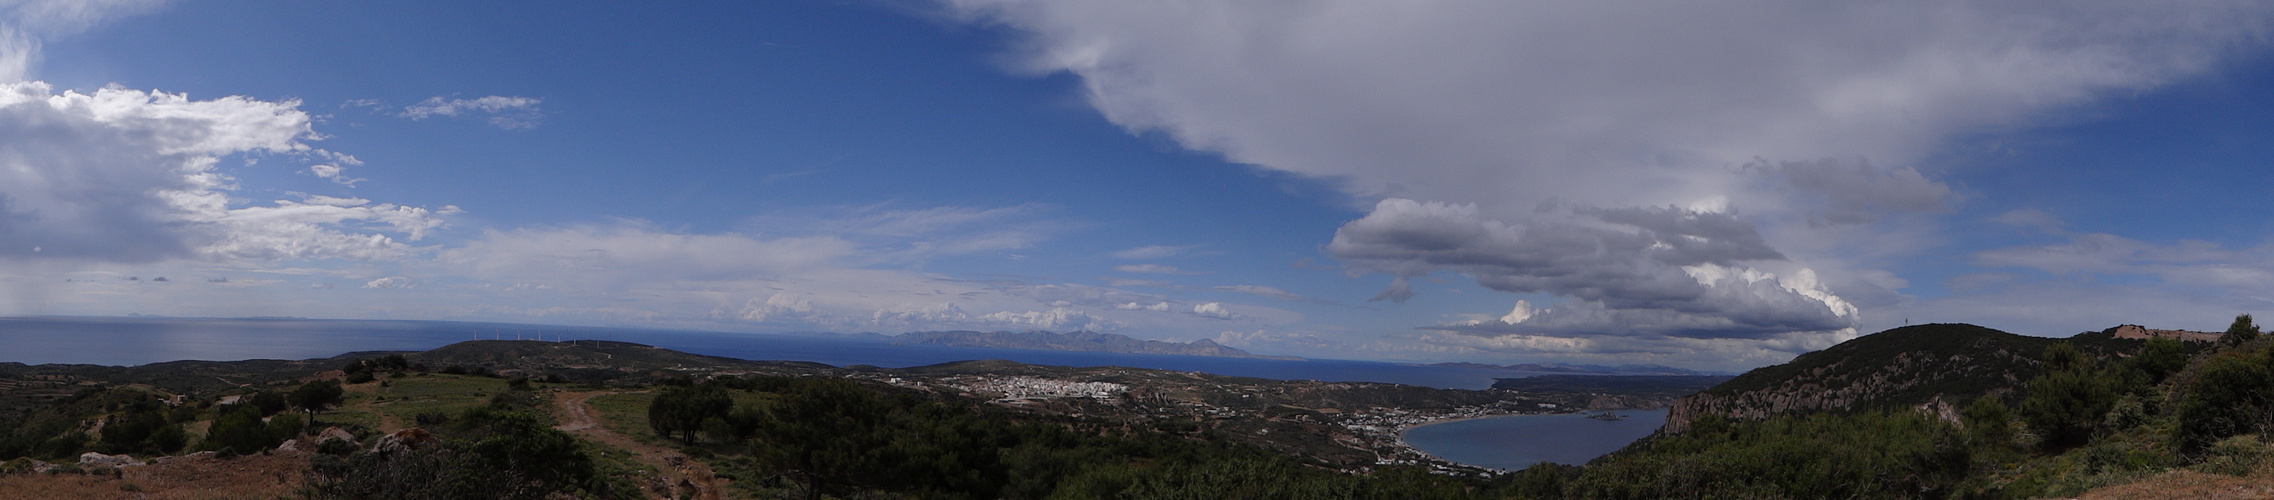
[1580,369]
[1074,341]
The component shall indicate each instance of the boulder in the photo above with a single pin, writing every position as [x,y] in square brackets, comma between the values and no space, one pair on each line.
[331,433]
[405,440]
[92,459]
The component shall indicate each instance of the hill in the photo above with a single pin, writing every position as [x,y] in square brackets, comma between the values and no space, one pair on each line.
[1903,367]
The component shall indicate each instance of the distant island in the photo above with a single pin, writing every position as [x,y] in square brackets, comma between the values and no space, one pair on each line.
[1580,369]
[1075,341]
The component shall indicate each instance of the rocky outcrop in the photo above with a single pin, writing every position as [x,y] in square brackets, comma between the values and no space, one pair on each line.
[2137,332]
[93,459]
[404,440]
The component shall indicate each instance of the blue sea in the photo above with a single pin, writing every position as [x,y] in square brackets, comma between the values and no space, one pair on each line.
[141,340]
[1519,441]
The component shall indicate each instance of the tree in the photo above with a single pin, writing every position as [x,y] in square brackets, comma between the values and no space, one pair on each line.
[1989,424]
[2239,333]
[2064,406]
[239,429]
[825,431]
[2161,357]
[316,395]
[269,402]
[679,412]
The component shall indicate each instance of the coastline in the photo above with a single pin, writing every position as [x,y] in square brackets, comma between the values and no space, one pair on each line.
[1442,462]
[1403,445]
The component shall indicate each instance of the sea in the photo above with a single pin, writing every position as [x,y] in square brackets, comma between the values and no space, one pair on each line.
[1517,441]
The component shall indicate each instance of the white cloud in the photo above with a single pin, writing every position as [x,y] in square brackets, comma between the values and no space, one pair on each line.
[1153,252]
[130,176]
[1856,193]
[506,112]
[1634,103]
[2190,263]
[25,23]
[1133,306]
[1664,271]
[334,173]
[1265,291]
[910,236]
[632,254]
[391,282]
[1214,310]
[1155,269]
[777,307]
[950,316]
[1496,108]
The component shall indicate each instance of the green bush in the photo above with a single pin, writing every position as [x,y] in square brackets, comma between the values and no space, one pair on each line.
[488,454]
[2067,404]
[679,412]
[2242,331]
[1869,455]
[240,430]
[2232,394]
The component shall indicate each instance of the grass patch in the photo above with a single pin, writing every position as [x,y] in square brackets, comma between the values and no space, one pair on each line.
[626,414]
[451,394]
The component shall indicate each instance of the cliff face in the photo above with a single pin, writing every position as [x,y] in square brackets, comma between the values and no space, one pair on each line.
[1900,368]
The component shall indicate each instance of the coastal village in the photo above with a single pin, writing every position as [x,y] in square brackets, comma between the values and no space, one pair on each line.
[1362,424]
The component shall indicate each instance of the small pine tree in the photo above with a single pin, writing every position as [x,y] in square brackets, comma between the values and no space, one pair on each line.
[2241,332]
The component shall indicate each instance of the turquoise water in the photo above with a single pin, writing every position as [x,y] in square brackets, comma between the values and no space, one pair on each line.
[134,341]
[1519,441]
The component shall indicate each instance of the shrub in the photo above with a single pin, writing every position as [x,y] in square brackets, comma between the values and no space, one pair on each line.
[679,412]
[317,395]
[1989,423]
[2231,395]
[2066,404]
[2241,332]
[510,455]
[240,430]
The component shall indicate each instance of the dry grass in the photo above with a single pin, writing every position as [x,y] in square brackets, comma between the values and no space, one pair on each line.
[249,477]
[2189,484]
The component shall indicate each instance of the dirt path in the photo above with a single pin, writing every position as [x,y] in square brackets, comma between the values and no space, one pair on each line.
[681,477]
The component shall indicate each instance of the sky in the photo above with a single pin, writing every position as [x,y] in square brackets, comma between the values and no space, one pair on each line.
[1707,185]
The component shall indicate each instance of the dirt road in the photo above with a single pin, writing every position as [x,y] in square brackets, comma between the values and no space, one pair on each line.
[681,477]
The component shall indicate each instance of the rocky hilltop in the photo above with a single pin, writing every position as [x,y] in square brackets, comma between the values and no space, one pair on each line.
[1935,365]
[1075,341]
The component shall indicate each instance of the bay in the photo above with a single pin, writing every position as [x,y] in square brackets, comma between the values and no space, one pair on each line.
[143,340]
[1517,441]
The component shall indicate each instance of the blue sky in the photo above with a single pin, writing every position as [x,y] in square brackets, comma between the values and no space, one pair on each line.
[1716,187]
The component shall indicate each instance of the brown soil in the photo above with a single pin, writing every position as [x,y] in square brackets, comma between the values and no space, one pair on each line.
[682,477]
[2189,484]
[248,477]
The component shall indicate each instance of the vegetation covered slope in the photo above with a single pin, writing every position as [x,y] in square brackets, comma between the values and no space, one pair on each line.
[2097,413]
[1899,368]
